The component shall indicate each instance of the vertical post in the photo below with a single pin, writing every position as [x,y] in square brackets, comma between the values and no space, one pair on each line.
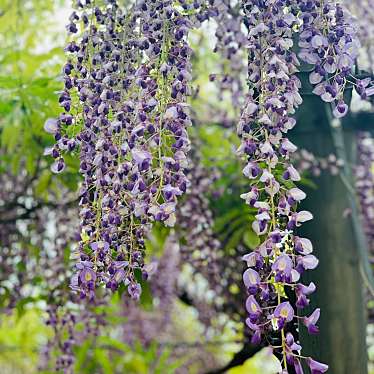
[342,339]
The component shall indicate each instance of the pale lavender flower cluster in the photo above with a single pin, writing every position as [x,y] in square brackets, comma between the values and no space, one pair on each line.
[16,266]
[365,185]
[231,40]
[66,335]
[65,310]
[275,266]
[362,10]
[147,326]
[328,41]
[199,246]
[126,83]
[307,162]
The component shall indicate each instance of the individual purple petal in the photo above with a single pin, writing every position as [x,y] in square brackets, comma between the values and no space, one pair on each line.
[58,166]
[48,151]
[303,216]
[315,78]
[288,146]
[169,192]
[141,157]
[250,197]
[340,110]
[303,245]
[317,41]
[253,308]
[345,61]
[290,341]
[327,97]
[316,367]
[292,173]
[251,170]
[251,279]
[311,321]
[171,113]
[100,245]
[302,292]
[256,337]
[298,367]
[250,258]
[51,126]
[296,194]
[259,227]
[87,275]
[308,262]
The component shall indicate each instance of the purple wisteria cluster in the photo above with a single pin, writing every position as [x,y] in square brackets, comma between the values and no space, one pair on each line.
[365,185]
[362,10]
[328,41]
[199,246]
[66,312]
[231,40]
[275,266]
[125,112]
[148,326]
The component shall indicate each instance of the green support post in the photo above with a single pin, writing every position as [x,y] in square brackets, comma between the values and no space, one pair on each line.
[342,339]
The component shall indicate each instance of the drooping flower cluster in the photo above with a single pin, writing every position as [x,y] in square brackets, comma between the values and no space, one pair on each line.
[274,268]
[126,83]
[328,41]
[15,256]
[66,312]
[199,246]
[362,10]
[147,326]
[230,47]
[365,185]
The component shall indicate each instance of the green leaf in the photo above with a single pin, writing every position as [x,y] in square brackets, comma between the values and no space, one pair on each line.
[102,358]
[251,239]
[43,183]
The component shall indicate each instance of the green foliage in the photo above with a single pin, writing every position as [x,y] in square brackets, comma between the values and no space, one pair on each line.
[110,356]
[30,58]
[20,339]
[233,225]
[263,362]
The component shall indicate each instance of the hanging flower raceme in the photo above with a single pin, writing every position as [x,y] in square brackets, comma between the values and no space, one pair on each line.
[362,10]
[365,185]
[147,326]
[328,41]
[125,112]
[200,247]
[275,267]
[229,47]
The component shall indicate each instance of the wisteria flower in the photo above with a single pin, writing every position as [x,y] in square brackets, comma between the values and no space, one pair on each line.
[284,311]
[251,280]
[316,367]
[311,321]
[253,308]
